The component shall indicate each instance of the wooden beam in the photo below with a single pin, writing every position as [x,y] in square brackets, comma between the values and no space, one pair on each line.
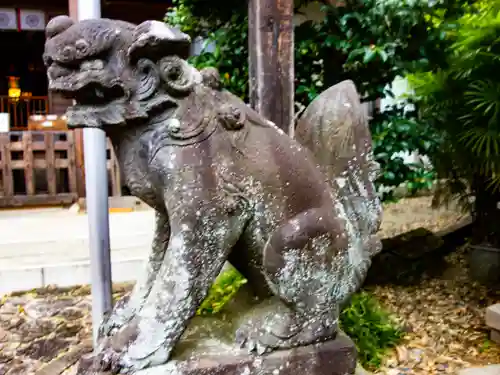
[73,9]
[271,60]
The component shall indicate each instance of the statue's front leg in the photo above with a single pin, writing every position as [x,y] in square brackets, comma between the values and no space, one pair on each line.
[203,234]
[125,308]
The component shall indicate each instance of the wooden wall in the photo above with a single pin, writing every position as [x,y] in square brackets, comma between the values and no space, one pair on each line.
[40,168]
[37,168]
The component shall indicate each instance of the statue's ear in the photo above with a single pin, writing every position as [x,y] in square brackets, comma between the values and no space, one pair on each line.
[154,40]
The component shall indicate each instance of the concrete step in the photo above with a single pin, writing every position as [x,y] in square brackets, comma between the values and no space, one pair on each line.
[50,247]
[64,274]
[58,227]
[42,260]
[69,249]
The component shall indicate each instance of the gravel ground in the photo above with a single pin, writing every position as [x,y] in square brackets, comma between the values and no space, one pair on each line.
[412,213]
[443,317]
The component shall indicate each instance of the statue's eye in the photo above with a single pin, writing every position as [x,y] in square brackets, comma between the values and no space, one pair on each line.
[174,73]
[68,52]
[81,45]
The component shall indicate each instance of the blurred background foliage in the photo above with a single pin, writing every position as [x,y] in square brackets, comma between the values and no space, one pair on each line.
[368,41]
[460,102]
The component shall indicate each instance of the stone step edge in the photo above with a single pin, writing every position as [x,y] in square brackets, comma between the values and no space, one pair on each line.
[78,263]
[29,262]
[47,249]
[64,275]
[79,238]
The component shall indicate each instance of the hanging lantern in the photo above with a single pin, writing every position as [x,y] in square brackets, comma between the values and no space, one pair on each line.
[14,89]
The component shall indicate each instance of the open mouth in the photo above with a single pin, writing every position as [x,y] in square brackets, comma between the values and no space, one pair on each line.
[93,94]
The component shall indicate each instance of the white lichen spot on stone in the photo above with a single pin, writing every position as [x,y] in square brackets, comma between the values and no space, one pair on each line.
[296,224]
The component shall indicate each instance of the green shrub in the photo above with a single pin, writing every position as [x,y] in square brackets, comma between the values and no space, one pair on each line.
[368,325]
[222,290]
[394,131]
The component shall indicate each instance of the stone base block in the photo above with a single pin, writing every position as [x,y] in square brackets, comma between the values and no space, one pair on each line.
[336,357]
[493,316]
[208,347]
[495,336]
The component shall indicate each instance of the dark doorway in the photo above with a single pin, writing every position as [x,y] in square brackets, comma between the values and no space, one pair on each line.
[22,59]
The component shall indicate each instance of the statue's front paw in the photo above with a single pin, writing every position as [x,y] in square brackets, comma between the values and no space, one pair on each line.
[106,361]
[122,314]
[107,328]
[266,333]
[109,361]
[119,362]
[111,325]
[111,356]
[253,339]
[284,331]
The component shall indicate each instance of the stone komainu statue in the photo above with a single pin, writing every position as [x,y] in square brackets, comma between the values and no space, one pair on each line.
[296,217]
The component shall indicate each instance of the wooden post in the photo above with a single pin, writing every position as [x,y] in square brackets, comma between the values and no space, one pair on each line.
[8,182]
[73,9]
[271,60]
[29,175]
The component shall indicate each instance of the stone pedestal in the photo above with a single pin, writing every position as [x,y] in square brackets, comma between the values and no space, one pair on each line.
[336,357]
[207,348]
[493,322]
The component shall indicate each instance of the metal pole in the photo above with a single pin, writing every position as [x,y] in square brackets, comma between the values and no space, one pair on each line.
[96,181]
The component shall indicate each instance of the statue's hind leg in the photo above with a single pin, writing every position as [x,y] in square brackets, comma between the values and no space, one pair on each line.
[311,271]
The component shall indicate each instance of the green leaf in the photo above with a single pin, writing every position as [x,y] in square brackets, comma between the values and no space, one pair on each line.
[370,54]
[383,55]
[389,175]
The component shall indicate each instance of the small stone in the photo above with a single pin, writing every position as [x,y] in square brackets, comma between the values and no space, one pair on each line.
[442,367]
[72,313]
